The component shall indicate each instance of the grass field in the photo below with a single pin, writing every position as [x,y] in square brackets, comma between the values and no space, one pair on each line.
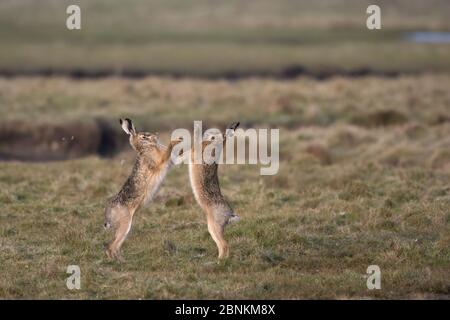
[364,179]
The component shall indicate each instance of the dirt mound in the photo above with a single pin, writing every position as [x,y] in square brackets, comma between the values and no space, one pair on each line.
[27,141]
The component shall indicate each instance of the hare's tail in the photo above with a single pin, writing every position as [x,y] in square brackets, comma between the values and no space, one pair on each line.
[107,224]
[234,218]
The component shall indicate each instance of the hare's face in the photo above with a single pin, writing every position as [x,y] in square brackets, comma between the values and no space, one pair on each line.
[144,141]
[140,141]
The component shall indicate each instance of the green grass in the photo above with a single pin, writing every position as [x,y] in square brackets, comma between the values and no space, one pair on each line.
[206,38]
[364,179]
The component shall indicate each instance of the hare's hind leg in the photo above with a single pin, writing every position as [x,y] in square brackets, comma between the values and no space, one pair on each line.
[122,230]
[216,231]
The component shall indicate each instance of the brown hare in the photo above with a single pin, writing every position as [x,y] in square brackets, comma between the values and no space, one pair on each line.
[205,186]
[153,161]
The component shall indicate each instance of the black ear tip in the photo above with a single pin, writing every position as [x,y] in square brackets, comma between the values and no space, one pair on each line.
[128,120]
[120,121]
[235,125]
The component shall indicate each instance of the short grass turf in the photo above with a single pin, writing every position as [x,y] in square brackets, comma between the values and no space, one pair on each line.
[364,180]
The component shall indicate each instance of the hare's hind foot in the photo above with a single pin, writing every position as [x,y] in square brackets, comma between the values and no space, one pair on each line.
[224,251]
[216,232]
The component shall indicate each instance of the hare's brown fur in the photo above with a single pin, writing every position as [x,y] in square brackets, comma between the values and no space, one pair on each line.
[205,186]
[153,161]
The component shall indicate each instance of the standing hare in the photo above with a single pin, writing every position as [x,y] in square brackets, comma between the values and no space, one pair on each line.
[205,186]
[153,161]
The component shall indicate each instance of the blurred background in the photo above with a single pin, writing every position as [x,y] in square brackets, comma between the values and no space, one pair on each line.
[364,146]
[220,38]
[205,39]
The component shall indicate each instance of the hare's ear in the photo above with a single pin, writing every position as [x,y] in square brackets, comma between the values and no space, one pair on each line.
[230,130]
[234,125]
[127,126]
